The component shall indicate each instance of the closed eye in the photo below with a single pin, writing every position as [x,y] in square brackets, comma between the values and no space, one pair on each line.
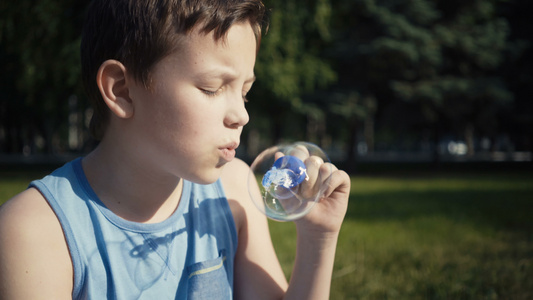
[210,93]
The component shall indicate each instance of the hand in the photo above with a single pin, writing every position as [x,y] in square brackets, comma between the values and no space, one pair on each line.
[326,217]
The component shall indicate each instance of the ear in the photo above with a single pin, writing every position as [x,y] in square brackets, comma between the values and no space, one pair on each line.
[111,80]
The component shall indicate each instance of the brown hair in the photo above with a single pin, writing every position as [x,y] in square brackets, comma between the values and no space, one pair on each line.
[139,33]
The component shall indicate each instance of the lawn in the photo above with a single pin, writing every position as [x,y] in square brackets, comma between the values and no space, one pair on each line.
[14,181]
[447,235]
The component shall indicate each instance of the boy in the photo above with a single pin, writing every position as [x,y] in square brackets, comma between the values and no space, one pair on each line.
[144,215]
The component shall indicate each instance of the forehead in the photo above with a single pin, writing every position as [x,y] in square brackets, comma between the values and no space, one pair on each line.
[200,53]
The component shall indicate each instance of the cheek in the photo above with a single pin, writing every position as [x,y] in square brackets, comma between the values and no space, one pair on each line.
[169,116]
[186,128]
[186,118]
[203,120]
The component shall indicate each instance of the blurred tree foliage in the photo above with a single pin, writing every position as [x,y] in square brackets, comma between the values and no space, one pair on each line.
[442,58]
[39,56]
[334,72]
[290,67]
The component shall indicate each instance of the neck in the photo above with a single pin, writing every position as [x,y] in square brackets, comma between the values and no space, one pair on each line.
[129,187]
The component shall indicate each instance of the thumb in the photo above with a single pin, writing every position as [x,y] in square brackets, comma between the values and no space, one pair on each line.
[339,183]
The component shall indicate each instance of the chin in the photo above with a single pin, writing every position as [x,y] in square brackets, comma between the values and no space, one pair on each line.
[207,177]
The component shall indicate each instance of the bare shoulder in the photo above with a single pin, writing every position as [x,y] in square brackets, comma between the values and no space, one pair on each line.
[33,252]
[258,274]
[234,176]
[234,179]
[23,216]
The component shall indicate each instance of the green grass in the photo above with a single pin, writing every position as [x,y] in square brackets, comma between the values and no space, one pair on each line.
[432,237]
[13,182]
[420,236]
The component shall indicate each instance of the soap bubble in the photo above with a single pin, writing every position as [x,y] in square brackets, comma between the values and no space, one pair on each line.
[289,180]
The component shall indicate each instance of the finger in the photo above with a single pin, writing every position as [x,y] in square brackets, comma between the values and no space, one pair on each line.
[309,188]
[339,181]
[299,151]
[278,155]
[326,170]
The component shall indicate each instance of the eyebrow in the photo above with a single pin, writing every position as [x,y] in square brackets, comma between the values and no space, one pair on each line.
[224,74]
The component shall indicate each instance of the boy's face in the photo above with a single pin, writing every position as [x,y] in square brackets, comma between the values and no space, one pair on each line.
[190,122]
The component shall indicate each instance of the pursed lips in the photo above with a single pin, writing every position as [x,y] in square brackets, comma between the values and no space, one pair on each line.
[228,151]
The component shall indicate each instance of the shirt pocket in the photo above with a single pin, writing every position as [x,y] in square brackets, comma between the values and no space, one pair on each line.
[209,280]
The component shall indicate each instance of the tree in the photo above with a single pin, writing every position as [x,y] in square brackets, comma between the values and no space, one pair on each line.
[518,72]
[353,108]
[441,55]
[465,88]
[289,67]
[327,70]
[39,45]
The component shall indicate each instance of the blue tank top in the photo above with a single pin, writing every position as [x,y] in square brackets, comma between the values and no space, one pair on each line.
[190,255]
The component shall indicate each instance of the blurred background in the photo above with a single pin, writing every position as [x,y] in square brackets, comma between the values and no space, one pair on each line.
[427,103]
[367,80]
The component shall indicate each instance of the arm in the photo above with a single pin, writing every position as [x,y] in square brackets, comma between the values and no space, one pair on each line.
[258,274]
[257,271]
[34,258]
[317,240]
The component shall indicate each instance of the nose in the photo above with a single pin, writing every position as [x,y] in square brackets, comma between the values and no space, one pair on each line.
[236,115]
